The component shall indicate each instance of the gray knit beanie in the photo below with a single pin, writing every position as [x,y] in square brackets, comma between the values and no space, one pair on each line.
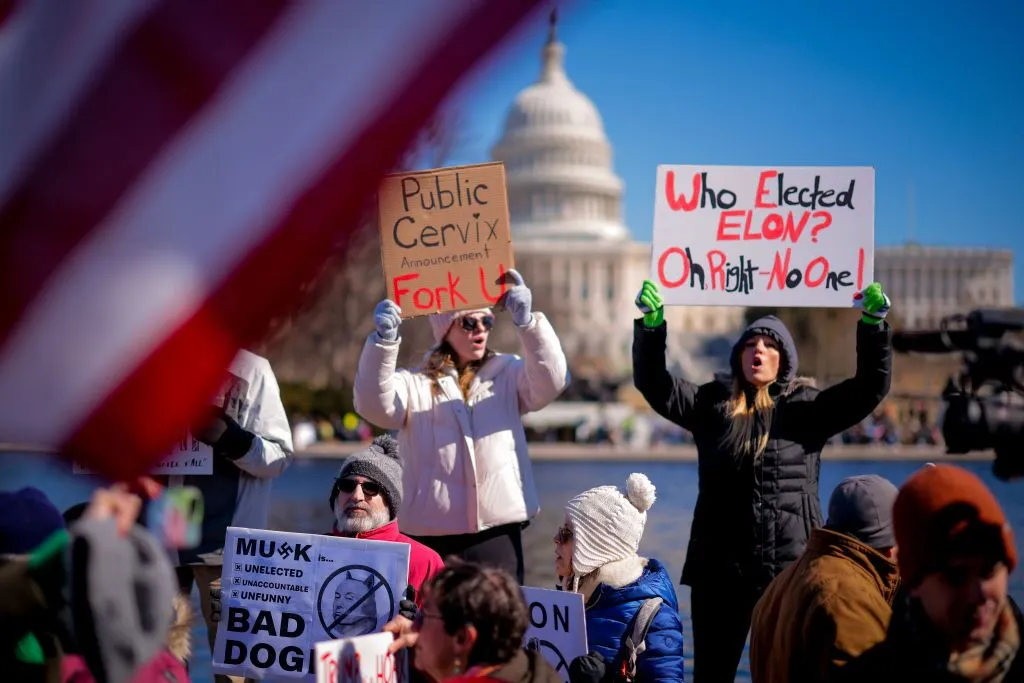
[121,592]
[381,463]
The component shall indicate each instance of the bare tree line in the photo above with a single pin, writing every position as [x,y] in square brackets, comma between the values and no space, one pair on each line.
[319,344]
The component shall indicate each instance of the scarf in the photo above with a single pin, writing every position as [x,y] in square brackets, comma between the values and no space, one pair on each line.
[986,662]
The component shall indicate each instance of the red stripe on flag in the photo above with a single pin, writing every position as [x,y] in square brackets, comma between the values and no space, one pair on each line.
[186,369]
[170,66]
[6,10]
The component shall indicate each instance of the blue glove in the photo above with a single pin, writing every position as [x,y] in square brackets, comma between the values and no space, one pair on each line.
[387,317]
[518,299]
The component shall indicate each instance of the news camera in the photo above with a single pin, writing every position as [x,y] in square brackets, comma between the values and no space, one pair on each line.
[985,401]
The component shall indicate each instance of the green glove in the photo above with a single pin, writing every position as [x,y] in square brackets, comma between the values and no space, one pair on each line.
[874,302]
[650,304]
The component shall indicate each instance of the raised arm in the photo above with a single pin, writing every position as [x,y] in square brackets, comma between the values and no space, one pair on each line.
[542,373]
[845,404]
[381,392]
[272,448]
[671,397]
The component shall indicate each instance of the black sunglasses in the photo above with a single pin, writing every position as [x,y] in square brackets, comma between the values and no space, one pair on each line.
[370,488]
[470,322]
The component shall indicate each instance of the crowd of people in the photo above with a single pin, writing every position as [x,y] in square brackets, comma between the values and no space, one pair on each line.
[894,584]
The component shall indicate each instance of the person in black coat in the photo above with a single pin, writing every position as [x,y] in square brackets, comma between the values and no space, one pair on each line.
[759,437]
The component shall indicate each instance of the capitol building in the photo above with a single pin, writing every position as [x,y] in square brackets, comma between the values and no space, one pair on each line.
[570,242]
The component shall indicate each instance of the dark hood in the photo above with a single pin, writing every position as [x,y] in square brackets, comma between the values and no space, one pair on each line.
[770,326]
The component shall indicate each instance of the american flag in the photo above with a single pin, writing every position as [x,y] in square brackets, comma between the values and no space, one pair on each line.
[170,174]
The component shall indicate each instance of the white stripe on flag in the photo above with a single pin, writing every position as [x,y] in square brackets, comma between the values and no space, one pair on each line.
[47,59]
[216,191]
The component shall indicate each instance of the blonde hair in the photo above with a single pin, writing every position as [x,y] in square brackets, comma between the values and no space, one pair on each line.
[749,410]
[442,361]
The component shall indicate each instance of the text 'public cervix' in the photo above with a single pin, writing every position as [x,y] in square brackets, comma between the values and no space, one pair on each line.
[408,234]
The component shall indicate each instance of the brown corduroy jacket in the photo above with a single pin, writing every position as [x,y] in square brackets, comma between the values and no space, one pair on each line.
[825,609]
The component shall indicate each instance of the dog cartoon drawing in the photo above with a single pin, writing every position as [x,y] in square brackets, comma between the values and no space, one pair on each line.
[355,607]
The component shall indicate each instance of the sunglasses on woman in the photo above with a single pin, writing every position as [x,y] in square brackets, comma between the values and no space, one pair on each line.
[470,322]
[370,488]
[563,535]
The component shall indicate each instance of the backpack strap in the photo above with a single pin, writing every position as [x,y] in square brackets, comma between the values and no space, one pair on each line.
[636,640]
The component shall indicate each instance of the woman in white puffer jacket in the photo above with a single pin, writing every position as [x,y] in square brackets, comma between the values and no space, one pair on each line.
[467,483]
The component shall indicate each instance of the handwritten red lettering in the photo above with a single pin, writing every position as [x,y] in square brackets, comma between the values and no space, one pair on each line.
[486,291]
[812,281]
[773,227]
[401,291]
[779,269]
[725,224]
[860,269]
[717,270]
[826,220]
[680,202]
[663,259]
[793,229]
[747,234]
[762,190]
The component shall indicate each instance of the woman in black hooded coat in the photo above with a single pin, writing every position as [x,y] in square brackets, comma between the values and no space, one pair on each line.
[759,437]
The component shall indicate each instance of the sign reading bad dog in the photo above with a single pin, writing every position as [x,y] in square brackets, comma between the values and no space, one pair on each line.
[282,593]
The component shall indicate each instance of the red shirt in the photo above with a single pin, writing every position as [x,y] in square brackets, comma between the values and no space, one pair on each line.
[423,562]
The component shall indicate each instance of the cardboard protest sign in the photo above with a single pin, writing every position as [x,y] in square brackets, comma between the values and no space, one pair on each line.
[445,238]
[558,628]
[763,236]
[363,659]
[284,592]
[189,456]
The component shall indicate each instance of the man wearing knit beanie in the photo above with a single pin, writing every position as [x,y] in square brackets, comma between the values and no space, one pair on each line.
[955,620]
[834,602]
[366,500]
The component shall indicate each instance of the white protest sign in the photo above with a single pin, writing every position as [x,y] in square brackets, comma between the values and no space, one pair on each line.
[363,659]
[283,593]
[188,456]
[558,627]
[763,236]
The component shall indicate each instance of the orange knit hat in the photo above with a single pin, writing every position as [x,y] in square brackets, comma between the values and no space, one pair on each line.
[942,509]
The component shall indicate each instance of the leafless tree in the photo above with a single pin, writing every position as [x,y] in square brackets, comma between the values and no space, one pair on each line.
[319,344]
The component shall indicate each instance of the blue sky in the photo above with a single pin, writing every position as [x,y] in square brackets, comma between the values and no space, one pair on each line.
[930,94]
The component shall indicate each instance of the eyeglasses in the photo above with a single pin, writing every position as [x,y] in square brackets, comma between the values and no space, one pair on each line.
[563,535]
[370,488]
[470,322]
[422,615]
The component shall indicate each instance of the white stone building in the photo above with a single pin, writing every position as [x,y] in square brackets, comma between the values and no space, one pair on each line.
[568,233]
[929,283]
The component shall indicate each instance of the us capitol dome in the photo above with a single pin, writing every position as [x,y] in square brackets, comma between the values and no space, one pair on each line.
[570,241]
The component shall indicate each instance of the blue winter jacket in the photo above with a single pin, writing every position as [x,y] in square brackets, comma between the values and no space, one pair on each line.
[610,612]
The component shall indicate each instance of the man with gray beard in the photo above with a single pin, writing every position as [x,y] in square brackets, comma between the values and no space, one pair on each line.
[366,500]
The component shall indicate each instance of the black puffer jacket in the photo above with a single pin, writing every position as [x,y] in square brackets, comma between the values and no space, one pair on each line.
[754,515]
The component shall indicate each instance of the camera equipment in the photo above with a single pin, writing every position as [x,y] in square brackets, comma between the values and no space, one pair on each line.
[985,402]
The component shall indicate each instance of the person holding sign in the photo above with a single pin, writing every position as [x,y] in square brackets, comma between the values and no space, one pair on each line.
[759,439]
[467,483]
[596,555]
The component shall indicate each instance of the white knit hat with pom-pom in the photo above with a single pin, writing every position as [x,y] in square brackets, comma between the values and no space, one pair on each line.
[607,526]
